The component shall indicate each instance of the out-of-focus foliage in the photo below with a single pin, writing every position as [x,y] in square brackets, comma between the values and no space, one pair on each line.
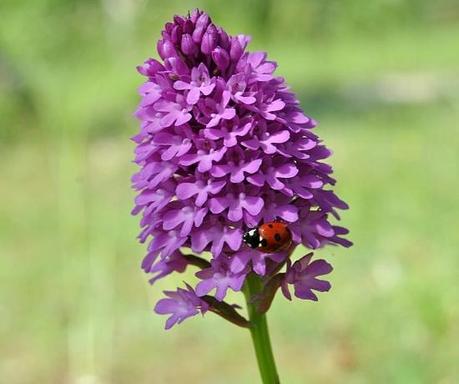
[381,77]
[68,53]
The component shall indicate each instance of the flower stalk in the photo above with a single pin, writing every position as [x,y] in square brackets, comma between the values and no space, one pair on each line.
[259,331]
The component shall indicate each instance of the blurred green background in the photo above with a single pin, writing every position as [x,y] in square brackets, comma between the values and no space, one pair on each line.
[382,78]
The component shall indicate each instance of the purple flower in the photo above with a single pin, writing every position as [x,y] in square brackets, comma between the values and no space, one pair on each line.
[260,69]
[237,85]
[221,58]
[268,108]
[174,113]
[203,158]
[165,242]
[153,174]
[237,171]
[277,206]
[273,175]
[224,146]
[229,131]
[200,84]
[154,199]
[180,305]
[219,277]
[176,145]
[303,276]
[200,189]
[174,263]
[151,93]
[267,141]
[314,230]
[215,236]
[184,217]
[216,111]
[237,205]
[256,259]
[150,67]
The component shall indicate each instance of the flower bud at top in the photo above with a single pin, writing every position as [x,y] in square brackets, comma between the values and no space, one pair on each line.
[188,27]
[166,49]
[201,25]
[179,20]
[220,58]
[188,46]
[177,66]
[235,50]
[209,40]
[224,40]
[243,40]
[195,13]
[176,34]
[150,67]
[168,27]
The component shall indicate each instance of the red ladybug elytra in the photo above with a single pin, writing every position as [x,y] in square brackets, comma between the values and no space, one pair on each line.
[269,237]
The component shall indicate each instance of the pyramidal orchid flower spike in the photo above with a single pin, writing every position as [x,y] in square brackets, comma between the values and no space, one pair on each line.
[224,147]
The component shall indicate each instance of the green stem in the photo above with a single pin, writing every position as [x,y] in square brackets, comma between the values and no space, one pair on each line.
[260,333]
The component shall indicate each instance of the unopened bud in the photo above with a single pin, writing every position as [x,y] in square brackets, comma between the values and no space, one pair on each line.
[236,49]
[220,58]
[150,67]
[166,49]
[209,40]
[201,26]
[188,46]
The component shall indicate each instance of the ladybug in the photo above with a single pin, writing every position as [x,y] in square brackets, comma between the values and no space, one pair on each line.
[269,237]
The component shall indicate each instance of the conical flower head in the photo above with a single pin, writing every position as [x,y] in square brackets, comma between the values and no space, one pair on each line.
[223,146]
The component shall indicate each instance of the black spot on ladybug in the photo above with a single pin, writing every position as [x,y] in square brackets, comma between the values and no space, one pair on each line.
[264,243]
[277,237]
[270,225]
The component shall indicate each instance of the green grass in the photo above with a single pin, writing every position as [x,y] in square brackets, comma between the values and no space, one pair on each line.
[74,305]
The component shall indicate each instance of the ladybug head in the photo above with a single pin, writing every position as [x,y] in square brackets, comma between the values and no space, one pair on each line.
[252,238]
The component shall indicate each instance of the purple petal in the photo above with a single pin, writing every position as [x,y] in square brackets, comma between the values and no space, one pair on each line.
[181,85]
[234,239]
[206,90]
[324,228]
[279,137]
[257,180]
[164,306]
[168,120]
[253,166]
[319,267]
[246,99]
[182,118]
[193,96]
[240,261]
[253,204]
[235,212]
[172,219]
[286,171]
[204,287]
[216,186]
[305,293]
[201,198]
[186,190]
[218,204]
[276,105]
[228,113]
[288,213]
